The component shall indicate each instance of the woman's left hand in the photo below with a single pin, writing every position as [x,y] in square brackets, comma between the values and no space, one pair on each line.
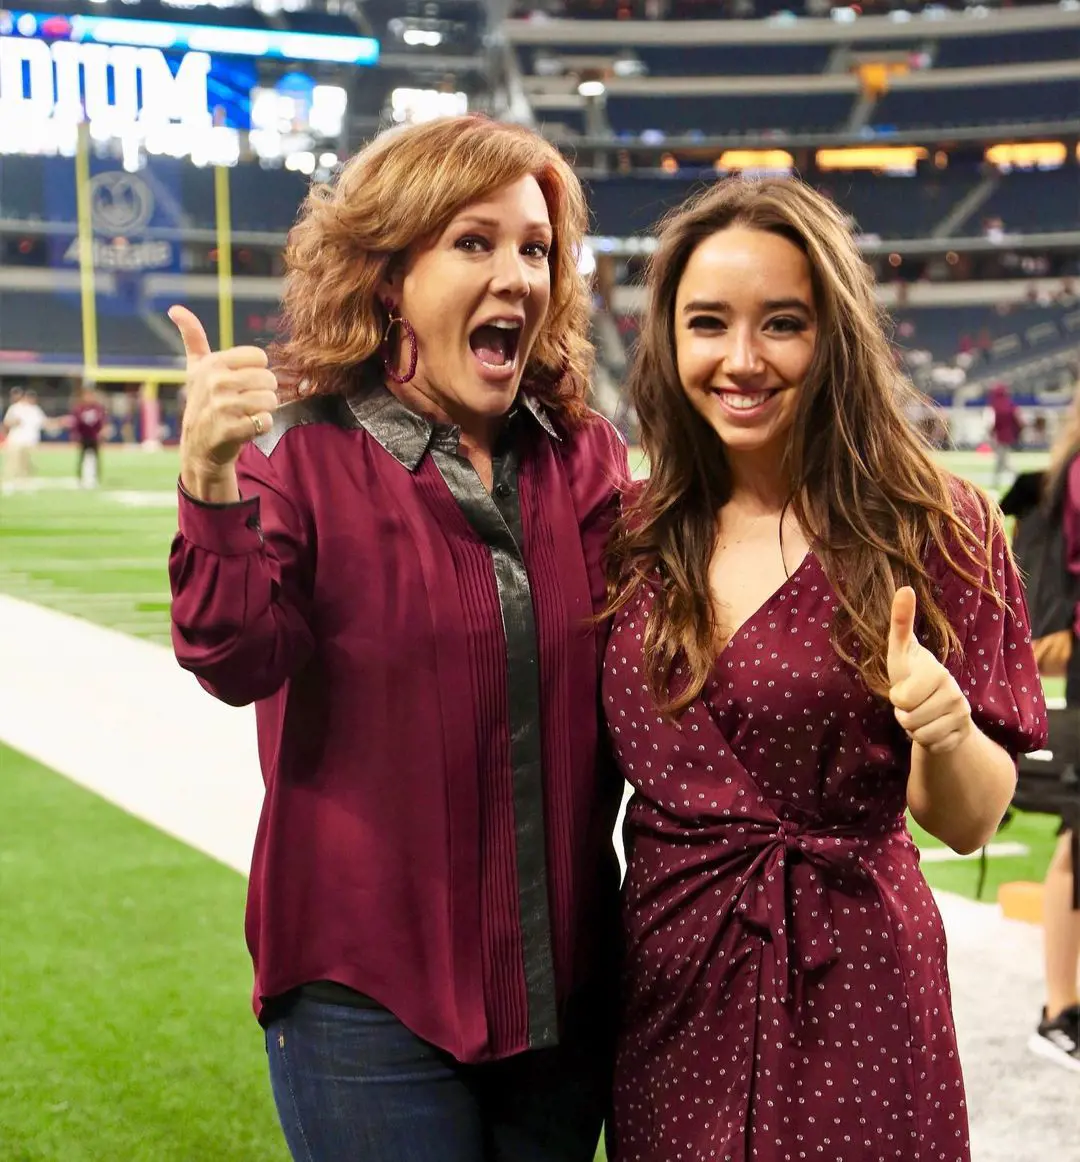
[929,703]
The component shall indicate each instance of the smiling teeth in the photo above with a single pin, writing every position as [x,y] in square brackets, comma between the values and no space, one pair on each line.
[744,403]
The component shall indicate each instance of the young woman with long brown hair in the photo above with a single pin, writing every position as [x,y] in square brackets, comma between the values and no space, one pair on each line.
[816,627]
[402,568]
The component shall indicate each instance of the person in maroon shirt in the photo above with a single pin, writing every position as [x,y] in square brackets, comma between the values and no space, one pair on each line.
[816,628]
[1006,427]
[87,425]
[1057,1035]
[402,568]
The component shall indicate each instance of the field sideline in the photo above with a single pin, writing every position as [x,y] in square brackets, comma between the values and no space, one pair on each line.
[123,978]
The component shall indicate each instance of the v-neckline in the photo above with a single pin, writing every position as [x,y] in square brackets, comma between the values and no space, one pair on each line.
[748,622]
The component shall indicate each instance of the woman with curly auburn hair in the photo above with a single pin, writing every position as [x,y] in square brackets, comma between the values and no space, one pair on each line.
[816,628]
[402,566]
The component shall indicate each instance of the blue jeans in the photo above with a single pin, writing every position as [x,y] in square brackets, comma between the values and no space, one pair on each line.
[354,1085]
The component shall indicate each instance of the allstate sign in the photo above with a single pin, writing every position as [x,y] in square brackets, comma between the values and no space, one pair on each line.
[126,210]
[122,205]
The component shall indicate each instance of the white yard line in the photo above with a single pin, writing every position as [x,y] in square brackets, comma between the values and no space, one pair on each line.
[946,854]
[80,564]
[143,499]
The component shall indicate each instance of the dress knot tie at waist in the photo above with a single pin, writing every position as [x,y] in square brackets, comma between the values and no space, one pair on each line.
[785,895]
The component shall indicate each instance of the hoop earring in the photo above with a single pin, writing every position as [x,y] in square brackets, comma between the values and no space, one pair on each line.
[384,347]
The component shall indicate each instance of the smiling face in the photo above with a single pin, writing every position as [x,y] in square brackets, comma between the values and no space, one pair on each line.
[745,335]
[477,298]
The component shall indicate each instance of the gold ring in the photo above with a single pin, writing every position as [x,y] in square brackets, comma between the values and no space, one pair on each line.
[256,423]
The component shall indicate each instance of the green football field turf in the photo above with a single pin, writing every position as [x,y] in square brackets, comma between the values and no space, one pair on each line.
[124,985]
[124,979]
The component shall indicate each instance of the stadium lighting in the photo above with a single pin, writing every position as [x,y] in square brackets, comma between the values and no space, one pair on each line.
[586,262]
[410,106]
[303,162]
[896,159]
[1027,155]
[755,161]
[417,36]
[629,65]
[267,143]
[591,89]
[328,103]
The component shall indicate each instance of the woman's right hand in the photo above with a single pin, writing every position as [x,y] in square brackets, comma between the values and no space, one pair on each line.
[1052,653]
[231,397]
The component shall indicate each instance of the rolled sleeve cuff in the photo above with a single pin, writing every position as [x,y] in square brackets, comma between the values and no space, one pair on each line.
[228,530]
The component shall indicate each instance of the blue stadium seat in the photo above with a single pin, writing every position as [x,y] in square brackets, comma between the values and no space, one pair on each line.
[572,119]
[945,330]
[714,60]
[326,23]
[1052,100]
[260,199]
[254,321]
[626,205]
[22,184]
[1033,200]
[899,207]
[631,116]
[735,60]
[888,207]
[1054,44]
[51,324]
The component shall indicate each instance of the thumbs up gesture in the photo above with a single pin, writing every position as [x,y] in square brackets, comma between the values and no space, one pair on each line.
[231,397]
[928,703]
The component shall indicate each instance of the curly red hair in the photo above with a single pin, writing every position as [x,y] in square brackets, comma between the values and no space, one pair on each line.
[402,190]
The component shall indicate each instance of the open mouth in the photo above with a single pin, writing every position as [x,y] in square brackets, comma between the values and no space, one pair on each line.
[495,344]
[746,401]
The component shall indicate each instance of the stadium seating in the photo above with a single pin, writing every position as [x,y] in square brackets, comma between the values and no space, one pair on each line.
[50,325]
[732,115]
[1035,200]
[993,337]
[1052,100]
[882,206]
[963,52]
[715,60]
[254,320]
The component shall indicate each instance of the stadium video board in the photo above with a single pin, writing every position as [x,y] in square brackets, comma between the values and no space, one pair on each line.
[177,89]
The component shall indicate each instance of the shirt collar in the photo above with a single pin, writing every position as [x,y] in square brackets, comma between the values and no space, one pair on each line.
[407,436]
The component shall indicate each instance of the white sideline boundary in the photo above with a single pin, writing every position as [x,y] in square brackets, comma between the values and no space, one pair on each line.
[119,717]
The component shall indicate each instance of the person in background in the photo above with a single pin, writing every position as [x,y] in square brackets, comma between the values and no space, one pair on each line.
[1006,428]
[816,629]
[1057,1036]
[24,422]
[402,567]
[87,426]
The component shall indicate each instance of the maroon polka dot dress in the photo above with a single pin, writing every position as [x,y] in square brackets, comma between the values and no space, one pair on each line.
[786,995]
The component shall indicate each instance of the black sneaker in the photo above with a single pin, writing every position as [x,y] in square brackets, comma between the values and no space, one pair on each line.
[1059,1040]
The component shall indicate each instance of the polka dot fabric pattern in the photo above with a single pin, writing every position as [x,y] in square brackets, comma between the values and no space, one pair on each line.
[786,994]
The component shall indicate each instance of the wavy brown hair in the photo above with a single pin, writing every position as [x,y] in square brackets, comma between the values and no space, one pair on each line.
[863,483]
[401,191]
